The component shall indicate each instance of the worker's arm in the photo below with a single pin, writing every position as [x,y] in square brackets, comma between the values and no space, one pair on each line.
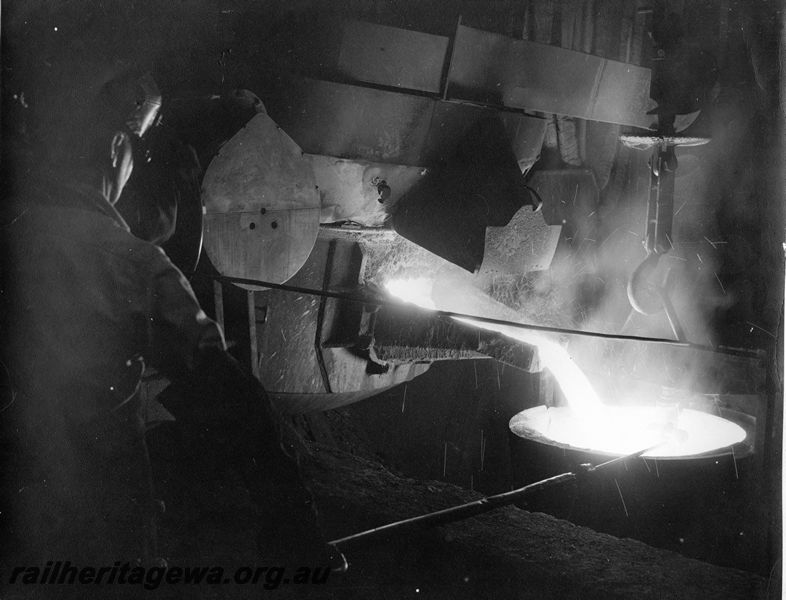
[209,385]
[179,331]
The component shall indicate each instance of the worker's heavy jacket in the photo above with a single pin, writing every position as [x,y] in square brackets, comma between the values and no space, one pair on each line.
[91,305]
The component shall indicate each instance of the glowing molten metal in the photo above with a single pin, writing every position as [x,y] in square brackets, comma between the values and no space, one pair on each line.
[586,423]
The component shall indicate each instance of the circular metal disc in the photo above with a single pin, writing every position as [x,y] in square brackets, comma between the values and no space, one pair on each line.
[261,205]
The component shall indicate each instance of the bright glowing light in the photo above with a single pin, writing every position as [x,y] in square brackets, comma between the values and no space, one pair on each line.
[416,290]
[586,423]
[577,389]
[624,430]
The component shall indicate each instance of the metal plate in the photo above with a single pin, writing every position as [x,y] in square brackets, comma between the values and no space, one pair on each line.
[447,212]
[392,57]
[351,122]
[348,189]
[261,205]
[495,69]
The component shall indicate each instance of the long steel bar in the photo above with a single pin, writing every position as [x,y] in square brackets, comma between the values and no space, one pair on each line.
[455,513]
[445,313]
[476,507]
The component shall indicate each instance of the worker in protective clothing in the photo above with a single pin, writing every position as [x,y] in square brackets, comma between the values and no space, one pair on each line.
[88,308]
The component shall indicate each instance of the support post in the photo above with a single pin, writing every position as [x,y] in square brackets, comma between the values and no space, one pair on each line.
[252,333]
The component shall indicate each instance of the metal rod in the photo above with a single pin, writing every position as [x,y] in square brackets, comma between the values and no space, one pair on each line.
[614,461]
[318,349]
[476,507]
[446,313]
[454,513]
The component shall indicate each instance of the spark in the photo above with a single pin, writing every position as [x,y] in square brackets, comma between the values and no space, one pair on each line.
[720,283]
[283,336]
[657,470]
[575,194]
[677,257]
[625,508]
[482,449]
[710,243]
[769,333]
[699,257]
[608,237]
[499,383]
[646,464]
[680,208]
[592,213]
[404,399]
[716,401]
[444,459]
[475,367]
[734,460]
[633,233]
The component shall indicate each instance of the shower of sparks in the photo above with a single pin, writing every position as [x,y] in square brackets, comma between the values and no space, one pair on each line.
[619,491]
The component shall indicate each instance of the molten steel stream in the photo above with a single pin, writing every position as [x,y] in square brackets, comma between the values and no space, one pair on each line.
[586,423]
